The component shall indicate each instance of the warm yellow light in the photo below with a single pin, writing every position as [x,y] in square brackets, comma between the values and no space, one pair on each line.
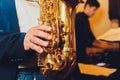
[63,12]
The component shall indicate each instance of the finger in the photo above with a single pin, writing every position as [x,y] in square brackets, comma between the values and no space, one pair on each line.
[110,44]
[39,42]
[35,47]
[42,34]
[44,28]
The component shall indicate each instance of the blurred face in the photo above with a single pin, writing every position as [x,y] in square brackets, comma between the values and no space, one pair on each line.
[91,10]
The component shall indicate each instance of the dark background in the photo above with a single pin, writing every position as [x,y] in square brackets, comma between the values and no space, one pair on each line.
[114,9]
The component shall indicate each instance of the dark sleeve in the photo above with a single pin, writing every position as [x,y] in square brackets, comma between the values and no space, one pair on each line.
[11,46]
[80,30]
[80,39]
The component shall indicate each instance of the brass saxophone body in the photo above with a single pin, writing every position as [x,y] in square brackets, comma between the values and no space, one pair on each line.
[60,57]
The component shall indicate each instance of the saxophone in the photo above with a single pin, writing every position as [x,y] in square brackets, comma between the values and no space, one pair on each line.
[59,58]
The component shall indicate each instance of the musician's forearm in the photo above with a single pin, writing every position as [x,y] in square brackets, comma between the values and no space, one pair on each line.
[91,51]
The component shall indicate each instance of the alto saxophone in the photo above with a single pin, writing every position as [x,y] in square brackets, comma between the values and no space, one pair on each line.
[59,57]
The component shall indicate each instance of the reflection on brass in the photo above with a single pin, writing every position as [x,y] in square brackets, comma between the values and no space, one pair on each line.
[59,58]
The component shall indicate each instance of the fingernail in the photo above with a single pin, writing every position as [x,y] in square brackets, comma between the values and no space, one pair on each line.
[49,28]
[46,44]
[41,50]
[49,37]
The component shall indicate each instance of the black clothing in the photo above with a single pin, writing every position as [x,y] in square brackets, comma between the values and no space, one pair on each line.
[84,36]
[84,39]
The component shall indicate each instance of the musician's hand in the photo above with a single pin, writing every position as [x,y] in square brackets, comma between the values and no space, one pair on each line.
[94,51]
[37,37]
[104,45]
